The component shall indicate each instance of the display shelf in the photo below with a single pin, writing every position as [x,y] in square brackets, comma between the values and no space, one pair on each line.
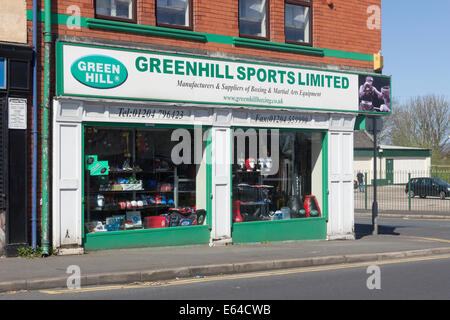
[126,171]
[106,210]
[142,171]
[253,203]
[117,191]
[175,192]
[140,191]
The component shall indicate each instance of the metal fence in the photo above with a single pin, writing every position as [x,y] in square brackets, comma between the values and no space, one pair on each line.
[394,193]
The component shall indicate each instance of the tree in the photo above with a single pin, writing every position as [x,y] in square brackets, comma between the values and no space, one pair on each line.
[424,122]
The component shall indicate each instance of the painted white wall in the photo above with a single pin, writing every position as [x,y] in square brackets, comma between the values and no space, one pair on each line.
[340,176]
[417,166]
[221,180]
[67,195]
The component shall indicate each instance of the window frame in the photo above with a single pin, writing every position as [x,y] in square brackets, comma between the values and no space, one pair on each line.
[106,17]
[304,4]
[243,35]
[190,27]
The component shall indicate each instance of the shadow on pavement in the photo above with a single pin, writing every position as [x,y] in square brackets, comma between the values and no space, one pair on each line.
[363,230]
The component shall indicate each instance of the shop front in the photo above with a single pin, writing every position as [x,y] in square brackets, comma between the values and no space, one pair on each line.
[130,183]
[158,149]
[15,91]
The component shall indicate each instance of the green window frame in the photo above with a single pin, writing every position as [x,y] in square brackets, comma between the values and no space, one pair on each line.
[198,234]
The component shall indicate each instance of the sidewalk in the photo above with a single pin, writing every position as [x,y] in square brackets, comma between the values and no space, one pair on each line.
[155,264]
[362,213]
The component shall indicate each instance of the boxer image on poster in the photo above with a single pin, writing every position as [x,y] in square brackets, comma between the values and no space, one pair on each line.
[372,99]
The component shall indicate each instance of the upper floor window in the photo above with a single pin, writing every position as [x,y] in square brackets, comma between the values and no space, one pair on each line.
[174,13]
[116,9]
[253,18]
[297,21]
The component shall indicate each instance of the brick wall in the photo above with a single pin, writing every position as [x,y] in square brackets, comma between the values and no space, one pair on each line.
[342,27]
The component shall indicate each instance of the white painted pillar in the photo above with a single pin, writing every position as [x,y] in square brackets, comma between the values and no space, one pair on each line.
[221,188]
[340,177]
[67,183]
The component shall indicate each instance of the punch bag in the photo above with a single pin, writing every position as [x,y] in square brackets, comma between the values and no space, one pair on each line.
[237,211]
[311,207]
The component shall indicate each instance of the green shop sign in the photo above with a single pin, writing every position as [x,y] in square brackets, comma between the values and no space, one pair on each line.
[98,71]
[119,73]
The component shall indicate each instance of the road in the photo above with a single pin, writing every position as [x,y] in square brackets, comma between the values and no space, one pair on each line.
[412,278]
[409,278]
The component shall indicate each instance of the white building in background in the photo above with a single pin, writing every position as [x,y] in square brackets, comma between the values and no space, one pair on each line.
[394,162]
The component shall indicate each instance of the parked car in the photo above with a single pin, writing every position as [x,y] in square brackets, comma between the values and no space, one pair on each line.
[424,187]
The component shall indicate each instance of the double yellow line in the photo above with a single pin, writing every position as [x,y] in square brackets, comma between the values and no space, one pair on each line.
[431,239]
[246,275]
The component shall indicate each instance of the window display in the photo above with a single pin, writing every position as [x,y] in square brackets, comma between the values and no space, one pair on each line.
[131,181]
[285,193]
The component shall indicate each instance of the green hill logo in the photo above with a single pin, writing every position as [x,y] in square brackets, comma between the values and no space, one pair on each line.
[101,72]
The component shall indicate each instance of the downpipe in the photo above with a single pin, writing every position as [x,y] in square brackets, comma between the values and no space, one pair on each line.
[34,132]
[45,127]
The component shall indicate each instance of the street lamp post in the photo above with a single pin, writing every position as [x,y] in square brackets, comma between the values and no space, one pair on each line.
[375,203]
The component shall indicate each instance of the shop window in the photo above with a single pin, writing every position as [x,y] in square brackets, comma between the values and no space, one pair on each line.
[297,21]
[116,9]
[277,175]
[174,13]
[253,18]
[143,179]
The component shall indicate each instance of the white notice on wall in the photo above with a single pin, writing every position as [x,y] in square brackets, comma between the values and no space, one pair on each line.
[17,113]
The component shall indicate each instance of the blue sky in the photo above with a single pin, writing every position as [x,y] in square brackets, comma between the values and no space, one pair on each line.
[416,47]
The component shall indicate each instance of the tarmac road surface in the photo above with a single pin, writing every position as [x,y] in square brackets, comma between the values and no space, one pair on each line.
[407,278]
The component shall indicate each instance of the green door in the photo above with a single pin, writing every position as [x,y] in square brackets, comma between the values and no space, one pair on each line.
[390,171]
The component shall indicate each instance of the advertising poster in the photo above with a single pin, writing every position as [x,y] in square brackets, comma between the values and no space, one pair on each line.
[374,94]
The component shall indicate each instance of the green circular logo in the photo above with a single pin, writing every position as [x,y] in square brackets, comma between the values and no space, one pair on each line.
[100,72]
